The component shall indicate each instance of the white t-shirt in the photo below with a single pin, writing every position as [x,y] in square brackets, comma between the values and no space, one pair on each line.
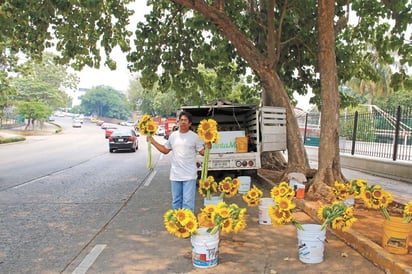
[185,147]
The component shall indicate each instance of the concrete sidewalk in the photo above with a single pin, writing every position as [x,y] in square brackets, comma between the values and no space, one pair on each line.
[136,241]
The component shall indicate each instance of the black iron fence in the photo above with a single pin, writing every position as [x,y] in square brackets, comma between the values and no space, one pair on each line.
[376,133]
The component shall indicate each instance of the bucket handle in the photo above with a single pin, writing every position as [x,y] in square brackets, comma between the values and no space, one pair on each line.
[324,241]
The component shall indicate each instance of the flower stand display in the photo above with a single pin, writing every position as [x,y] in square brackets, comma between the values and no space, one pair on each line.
[311,243]
[395,237]
[205,248]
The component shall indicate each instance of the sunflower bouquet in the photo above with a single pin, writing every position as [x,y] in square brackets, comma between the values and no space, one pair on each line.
[148,127]
[336,216]
[341,191]
[224,217]
[282,212]
[253,196]
[180,222]
[228,187]
[356,187]
[208,187]
[376,197]
[207,131]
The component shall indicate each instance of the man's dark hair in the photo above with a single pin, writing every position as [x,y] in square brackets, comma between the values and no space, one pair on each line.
[187,114]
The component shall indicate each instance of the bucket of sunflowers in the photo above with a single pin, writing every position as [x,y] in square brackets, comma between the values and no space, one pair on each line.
[311,237]
[204,231]
[213,192]
[397,225]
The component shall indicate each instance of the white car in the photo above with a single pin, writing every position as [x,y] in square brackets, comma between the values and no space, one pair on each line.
[77,123]
[160,130]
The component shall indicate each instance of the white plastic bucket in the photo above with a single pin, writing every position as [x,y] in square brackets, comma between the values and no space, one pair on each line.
[311,243]
[214,200]
[205,248]
[264,218]
[244,184]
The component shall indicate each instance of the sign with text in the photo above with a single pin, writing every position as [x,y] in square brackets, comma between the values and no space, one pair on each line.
[227,141]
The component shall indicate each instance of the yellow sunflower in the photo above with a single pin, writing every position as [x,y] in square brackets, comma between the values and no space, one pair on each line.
[407,212]
[180,222]
[227,225]
[285,204]
[253,196]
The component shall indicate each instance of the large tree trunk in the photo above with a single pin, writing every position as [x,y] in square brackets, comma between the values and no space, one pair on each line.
[274,93]
[329,169]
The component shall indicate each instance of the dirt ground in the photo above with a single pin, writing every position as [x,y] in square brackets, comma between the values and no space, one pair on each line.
[369,223]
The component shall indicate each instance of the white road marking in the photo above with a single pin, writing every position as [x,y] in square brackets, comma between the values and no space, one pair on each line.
[89,260]
[150,178]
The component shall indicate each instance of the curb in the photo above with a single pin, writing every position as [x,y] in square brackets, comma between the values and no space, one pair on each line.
[367,248]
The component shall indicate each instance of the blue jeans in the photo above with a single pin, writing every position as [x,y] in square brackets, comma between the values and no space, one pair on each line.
[183,194]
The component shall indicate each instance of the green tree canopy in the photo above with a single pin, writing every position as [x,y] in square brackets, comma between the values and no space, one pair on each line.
[105,101]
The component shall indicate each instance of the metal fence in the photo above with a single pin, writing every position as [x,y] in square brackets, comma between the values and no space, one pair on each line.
[9,119]
[376,133]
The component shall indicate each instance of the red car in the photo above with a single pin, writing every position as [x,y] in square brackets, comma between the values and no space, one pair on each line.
[109,130]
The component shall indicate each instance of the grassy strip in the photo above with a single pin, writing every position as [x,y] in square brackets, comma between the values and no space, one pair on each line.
[11,140]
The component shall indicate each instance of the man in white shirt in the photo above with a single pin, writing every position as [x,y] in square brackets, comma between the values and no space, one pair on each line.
[185,144]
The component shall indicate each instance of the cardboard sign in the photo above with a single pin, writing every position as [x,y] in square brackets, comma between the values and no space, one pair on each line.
[227,141]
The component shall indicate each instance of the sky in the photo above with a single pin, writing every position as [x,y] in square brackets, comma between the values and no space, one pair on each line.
[119,78]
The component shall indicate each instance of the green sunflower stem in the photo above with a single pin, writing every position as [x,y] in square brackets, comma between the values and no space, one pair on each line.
[325,223]
[214,230]
[205,164]
[149,151]
[385,213]
[407,219]
[297,225]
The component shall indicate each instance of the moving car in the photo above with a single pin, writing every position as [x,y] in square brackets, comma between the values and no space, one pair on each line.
[109,131]
[124,139]
[77,123]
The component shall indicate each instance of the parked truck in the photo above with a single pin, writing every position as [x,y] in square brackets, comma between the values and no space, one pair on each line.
[262,128]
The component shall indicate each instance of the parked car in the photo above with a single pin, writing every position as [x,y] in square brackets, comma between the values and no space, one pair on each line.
[51,119]
[77,123]
[124,139]
[160,130]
